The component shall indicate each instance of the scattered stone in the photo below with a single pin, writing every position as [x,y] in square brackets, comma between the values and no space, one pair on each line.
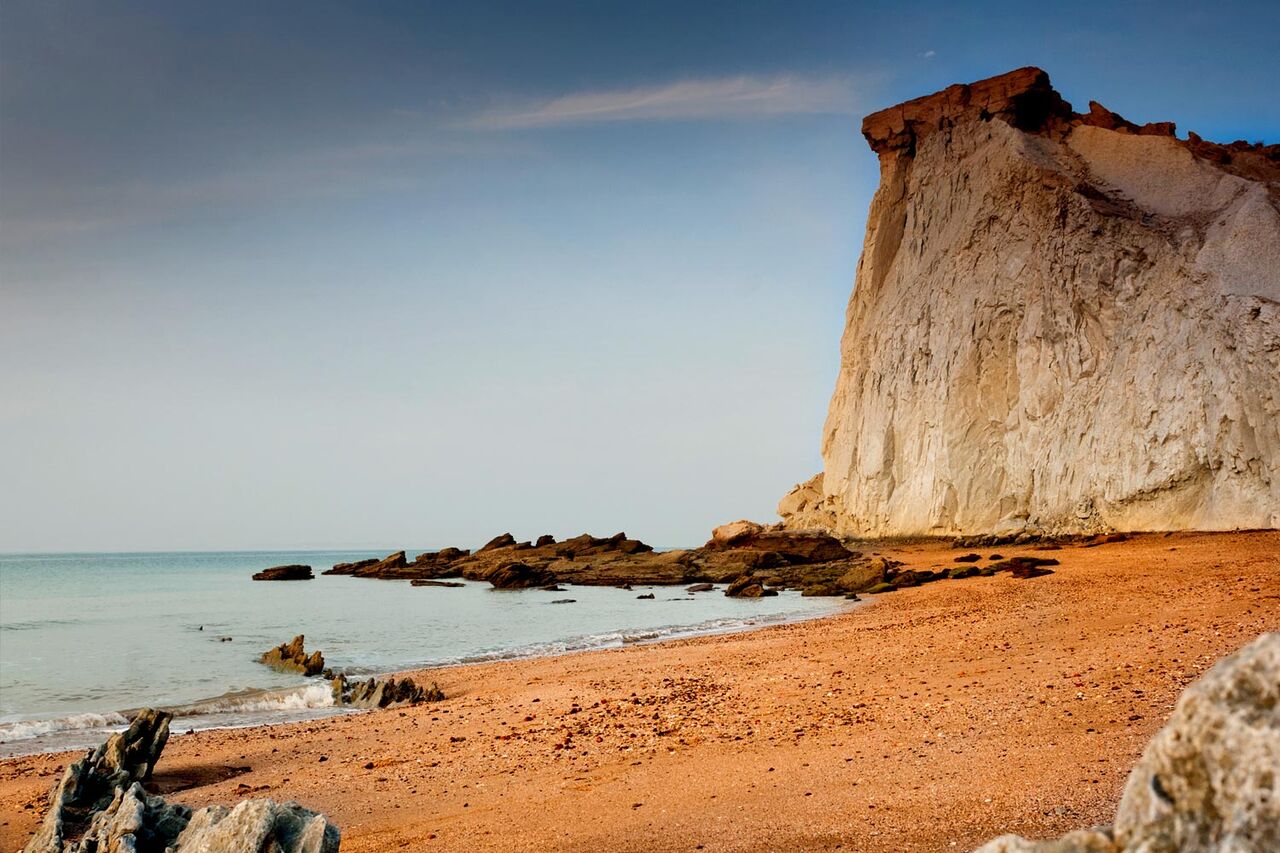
[565,601]
[292,657]
[701,587]
[1021,567]
[968,558]
[748,587]
[285,573]
[649,596]
[861,577]
[427,582]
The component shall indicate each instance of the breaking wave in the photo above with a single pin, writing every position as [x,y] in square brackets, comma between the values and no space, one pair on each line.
[311,696]
[27,729]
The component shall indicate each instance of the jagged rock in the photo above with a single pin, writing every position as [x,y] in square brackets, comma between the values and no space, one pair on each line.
[1060,324]
[544,539]
[383,692]
[99,806]
[258,825]
[292,657]
[351,568]
[89,786]
[1209,780]
[520,576]
[285,573]
[505,540]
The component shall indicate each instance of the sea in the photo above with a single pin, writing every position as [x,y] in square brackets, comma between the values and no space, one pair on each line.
[87,638]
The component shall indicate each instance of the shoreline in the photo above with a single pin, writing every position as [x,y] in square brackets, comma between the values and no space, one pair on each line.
[950,714]
[578,644]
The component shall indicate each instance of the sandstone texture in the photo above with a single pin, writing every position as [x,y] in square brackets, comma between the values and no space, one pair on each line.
[292,657]
[1209,780]
[1061,322]
[752,560]
[100,806]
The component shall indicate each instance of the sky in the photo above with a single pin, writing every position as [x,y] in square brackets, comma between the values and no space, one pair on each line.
[392,275]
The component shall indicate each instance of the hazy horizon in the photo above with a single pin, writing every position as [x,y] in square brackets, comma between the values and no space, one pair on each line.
[315,276]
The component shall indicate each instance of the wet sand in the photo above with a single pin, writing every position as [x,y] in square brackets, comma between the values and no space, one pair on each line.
[930,719]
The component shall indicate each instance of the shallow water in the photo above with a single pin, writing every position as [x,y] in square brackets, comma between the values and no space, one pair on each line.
[86,636]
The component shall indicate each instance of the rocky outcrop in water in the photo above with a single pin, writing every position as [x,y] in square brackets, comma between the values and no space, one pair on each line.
[764,559]
[100,806]
[383,692]
[1061,322]
[292,657]
[285,573]
[1209,780]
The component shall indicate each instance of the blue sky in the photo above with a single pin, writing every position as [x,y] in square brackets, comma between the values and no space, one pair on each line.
[411,274]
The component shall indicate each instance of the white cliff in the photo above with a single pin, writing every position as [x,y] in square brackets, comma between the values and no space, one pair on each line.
[1061,322]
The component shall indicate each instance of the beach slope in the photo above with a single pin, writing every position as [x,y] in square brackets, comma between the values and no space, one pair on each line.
[932,719]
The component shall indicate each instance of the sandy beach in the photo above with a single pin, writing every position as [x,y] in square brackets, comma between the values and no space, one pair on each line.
[930,718]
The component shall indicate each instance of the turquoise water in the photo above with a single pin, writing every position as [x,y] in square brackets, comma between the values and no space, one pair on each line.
[86,636]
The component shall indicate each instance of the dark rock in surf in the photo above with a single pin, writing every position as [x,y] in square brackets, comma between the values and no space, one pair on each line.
[383,692]
[285,573]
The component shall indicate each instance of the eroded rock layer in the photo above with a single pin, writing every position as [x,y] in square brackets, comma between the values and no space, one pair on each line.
[1064,322]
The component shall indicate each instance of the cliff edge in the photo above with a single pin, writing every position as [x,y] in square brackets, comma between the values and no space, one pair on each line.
[1061,321]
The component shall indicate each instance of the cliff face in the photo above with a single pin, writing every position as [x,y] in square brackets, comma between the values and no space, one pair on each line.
[1060,321]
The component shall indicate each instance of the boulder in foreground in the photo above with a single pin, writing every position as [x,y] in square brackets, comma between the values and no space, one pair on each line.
[100,806]
[1209,780]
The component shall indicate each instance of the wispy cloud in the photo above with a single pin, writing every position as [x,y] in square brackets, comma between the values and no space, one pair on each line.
[700,99]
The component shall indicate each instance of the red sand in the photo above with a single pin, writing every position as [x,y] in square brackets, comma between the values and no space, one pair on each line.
[931,719]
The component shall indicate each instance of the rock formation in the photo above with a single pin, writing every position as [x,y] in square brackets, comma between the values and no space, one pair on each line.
[292,657]
[383,692]
[100,806]
[1061,322]
[1209,780]
[752,559]
[285,573]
